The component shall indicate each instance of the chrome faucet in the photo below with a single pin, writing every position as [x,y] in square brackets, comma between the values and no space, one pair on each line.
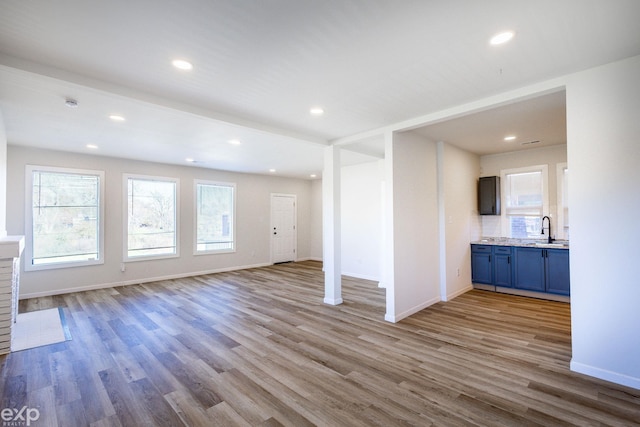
[549,239]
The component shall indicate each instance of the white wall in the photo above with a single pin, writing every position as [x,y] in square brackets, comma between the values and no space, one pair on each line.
[252,219]
[414,214]
[362,218]
[491,165]
[315,250]
[361,206]
[3,178]
[603,129]
[460,217]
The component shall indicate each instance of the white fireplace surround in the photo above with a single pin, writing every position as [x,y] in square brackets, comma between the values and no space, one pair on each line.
[11,248]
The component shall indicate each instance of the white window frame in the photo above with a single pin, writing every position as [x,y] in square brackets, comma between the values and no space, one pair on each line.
[125,217]
[544,169]
[29,265]
[195,217]
[561,233]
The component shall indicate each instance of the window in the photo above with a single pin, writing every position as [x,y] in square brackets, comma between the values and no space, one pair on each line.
[215,217]
[64,217]
[525,201]
[152,217]
[563,201]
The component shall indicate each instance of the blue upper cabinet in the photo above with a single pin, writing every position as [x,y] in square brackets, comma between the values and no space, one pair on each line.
[557,271]
[489,195]
[529,269]
[481,271]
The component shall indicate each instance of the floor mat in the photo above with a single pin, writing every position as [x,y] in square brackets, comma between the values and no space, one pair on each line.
[38,328]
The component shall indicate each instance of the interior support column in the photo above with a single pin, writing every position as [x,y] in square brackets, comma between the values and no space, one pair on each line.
[388,248]
[331,226]
[442,222]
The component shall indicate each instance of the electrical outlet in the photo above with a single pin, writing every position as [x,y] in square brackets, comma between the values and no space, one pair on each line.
[122,267]
[458,272]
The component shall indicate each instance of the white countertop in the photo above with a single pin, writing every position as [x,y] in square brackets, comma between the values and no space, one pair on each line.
[532,243]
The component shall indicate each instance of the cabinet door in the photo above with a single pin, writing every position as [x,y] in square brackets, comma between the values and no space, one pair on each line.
[481,264]
[502,266]
[489,195]
[529,269]
[557,271]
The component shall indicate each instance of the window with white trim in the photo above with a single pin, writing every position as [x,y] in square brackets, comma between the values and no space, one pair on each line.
[525,201]
[562,177]
[215,217]
[152,216]
[64,217]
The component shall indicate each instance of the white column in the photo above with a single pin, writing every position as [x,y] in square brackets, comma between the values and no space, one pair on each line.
[442,227]
[331,226]
[382,252]
[388,268]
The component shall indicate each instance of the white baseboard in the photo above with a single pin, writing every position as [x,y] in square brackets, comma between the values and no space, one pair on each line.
[533,294]
[412,310]
[453,295]
[137,281]
[332,301]
[604,374]
[484,287]
[360,276]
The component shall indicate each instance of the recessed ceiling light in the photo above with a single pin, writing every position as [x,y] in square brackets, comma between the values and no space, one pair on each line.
[116,118]
[509,138]
[501,38]
[313,175]
[71,103]
[189,159]
[316,111]
[92,146]
[181,64]
[272,170]
[234,142]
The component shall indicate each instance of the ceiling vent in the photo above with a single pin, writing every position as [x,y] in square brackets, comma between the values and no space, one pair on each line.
[530,142]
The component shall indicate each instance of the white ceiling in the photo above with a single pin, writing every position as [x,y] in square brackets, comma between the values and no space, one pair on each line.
[536,122]
[259,65]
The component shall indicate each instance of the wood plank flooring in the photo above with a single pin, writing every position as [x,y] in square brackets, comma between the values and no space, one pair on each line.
[259,348]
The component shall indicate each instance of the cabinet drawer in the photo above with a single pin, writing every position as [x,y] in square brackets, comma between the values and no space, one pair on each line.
[506,250]
[481,248]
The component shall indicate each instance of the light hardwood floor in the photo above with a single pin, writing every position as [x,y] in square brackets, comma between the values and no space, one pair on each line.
[259,348]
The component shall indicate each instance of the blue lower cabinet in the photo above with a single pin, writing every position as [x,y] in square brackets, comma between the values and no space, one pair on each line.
[481,271]
[502,266]
[557,272]
[521,267]
[529,269]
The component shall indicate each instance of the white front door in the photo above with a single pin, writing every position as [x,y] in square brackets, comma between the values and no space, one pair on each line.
[283,227]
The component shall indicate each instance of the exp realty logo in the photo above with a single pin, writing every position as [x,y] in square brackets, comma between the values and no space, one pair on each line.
[19,417]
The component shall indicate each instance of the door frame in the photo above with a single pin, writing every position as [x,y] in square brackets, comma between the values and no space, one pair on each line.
[295,224]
